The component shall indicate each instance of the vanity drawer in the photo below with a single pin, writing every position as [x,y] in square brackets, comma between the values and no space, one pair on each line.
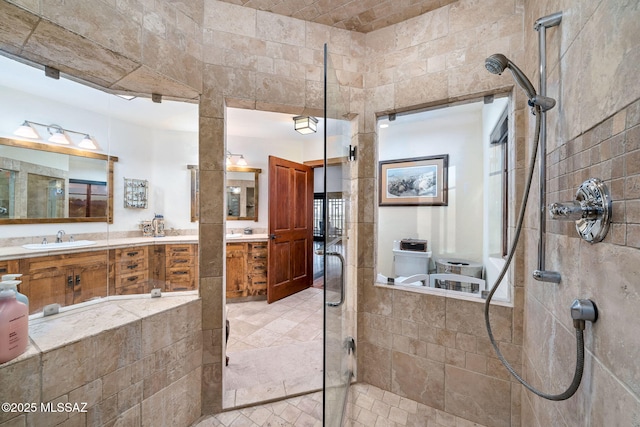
[131,254]
[258,267]
[181,250]
[182,261]
[257,284]
[131,279]
[124,268]
[180,279]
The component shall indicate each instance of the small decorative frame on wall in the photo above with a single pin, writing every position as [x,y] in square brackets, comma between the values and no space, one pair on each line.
[421,181]
[136,193]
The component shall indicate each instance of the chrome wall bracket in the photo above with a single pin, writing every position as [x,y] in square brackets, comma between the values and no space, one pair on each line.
[591,210]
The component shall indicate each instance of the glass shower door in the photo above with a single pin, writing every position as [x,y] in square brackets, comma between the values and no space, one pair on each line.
[338,251]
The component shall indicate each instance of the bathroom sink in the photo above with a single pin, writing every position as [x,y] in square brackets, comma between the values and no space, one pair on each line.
[62,245]
[234,235]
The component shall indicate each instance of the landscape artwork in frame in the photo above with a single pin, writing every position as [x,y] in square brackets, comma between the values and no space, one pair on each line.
[420,181]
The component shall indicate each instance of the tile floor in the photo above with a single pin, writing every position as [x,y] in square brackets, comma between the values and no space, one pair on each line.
[275,350]
[368,406]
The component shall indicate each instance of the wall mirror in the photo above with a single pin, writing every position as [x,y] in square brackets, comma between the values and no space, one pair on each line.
[242,193]
[61,184]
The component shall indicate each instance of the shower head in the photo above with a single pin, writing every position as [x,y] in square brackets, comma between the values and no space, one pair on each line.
[497,63]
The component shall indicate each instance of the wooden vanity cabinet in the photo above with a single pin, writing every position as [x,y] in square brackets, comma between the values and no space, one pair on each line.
[246,269]
[64,279]
[131,270]
[181,267]
[9,267]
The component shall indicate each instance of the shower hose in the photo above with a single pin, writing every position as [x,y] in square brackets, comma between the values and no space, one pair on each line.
[577,377]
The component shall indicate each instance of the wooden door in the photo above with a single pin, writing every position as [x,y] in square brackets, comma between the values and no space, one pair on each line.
[290,228]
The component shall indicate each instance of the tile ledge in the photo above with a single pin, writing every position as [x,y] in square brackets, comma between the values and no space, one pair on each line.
[132,308]
[442,293]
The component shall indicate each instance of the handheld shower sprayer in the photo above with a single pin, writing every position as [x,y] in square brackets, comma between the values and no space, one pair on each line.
[497,63]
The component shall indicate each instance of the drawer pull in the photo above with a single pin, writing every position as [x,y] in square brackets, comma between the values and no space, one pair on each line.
[132,267]
[70,281]
[179,273]
[132,253]
[179,250]
[132,278]
[180,261]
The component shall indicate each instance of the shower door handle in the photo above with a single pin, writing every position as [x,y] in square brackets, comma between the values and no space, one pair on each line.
[341,258]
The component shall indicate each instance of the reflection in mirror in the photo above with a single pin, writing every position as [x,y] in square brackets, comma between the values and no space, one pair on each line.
[242,193]
[61,184]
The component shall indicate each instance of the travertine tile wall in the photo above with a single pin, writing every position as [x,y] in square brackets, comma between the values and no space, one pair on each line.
[428,348]
[144,371]
[255,60]
[593,59]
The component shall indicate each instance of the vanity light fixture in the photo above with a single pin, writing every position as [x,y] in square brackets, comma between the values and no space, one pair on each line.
[26,131]
[58,134]
[305,124]
[87,143]
[241,161]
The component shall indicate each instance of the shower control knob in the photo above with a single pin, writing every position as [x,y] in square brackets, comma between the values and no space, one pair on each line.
[591,210]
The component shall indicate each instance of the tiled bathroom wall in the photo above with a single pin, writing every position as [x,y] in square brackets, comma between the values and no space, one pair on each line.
[130,362]
[594,133]
[428,348]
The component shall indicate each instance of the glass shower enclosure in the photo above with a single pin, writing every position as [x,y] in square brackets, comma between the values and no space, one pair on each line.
[338,250]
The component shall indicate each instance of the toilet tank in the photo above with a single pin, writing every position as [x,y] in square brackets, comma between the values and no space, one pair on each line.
[408,263]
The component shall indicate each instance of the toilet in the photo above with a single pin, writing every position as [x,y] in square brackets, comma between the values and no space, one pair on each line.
[407,263]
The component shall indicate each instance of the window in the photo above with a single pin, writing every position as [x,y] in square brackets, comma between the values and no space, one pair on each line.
[87,199]
[467,236]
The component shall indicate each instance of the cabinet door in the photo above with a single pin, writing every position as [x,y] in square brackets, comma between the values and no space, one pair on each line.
[49,286]
[236,270]
[89,281]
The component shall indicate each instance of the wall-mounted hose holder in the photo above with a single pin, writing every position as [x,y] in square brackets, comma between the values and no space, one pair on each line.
[591,210]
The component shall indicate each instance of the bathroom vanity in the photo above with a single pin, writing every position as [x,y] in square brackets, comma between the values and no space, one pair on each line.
[115,267]
[247,260]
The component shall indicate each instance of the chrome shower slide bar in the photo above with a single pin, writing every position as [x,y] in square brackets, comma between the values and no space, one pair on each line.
[541,25]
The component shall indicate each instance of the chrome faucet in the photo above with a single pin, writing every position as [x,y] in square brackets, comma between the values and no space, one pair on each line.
[59,236]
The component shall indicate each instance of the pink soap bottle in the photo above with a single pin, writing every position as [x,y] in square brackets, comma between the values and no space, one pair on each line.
[14,326]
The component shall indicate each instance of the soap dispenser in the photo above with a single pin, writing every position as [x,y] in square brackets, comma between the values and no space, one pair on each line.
[9,281]
[14,326]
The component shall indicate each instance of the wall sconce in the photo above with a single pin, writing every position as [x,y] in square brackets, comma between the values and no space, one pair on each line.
[57,132]
[241,161]
[305,124]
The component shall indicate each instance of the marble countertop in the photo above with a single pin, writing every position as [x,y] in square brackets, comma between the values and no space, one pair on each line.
[249,238]
[14,252]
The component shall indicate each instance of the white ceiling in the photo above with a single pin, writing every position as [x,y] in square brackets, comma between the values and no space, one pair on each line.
[168,115]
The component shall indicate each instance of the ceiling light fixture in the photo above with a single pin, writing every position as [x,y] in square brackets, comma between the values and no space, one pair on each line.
[305,124]
[241,161]
[58,134]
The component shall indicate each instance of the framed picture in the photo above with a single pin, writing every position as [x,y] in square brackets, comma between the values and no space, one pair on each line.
[421,181]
